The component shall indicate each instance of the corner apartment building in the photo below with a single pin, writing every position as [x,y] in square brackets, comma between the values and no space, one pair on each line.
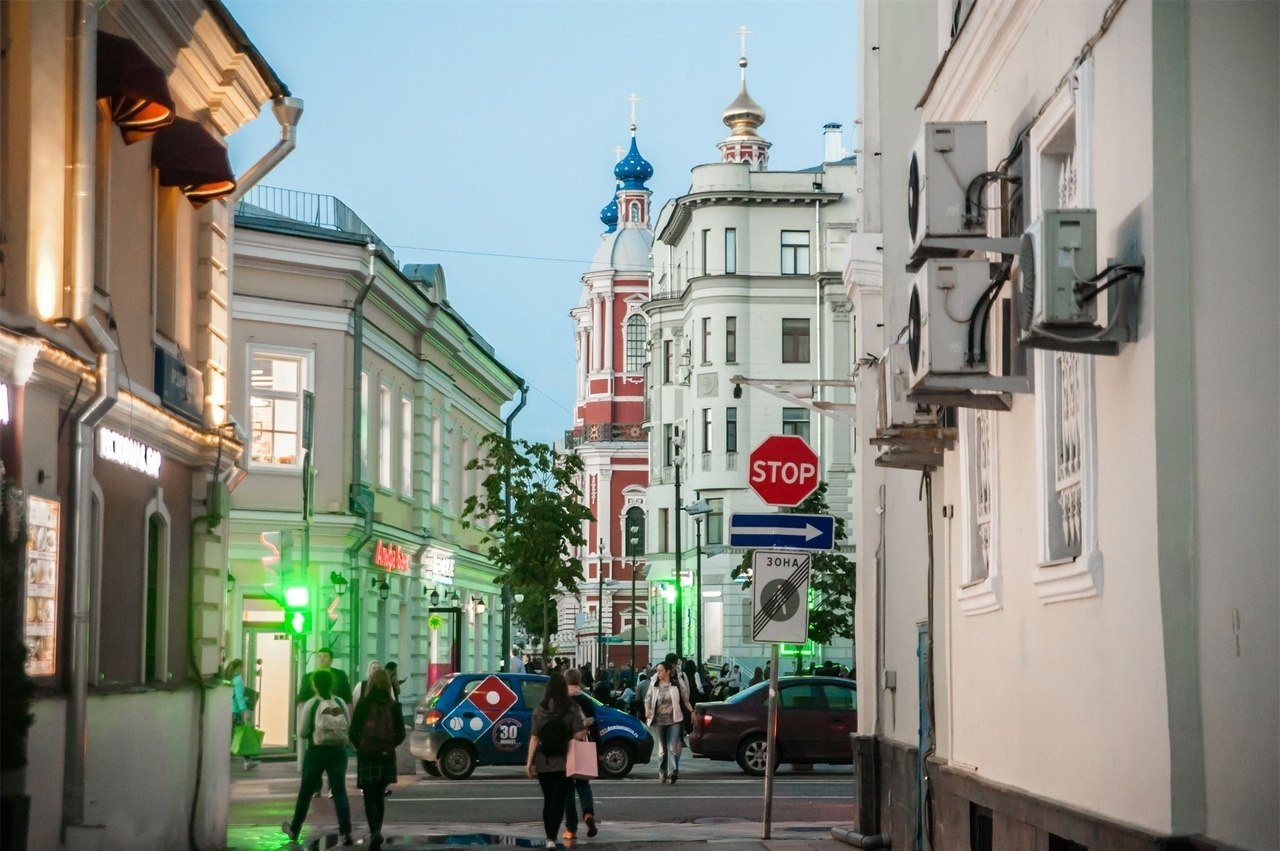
[116,444]
[320,300]
[750,335]
[1100,666]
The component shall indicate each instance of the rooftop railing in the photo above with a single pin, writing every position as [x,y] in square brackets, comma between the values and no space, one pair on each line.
[307,208]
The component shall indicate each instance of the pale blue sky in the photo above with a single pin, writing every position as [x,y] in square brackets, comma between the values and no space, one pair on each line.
[463,128]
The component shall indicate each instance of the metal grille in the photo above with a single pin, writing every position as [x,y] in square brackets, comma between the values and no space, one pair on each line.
[1068,367]
[306,208]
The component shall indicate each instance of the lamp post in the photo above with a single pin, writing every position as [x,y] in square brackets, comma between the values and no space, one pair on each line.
[698,511]
[600,602]
[677,444]
[633,540]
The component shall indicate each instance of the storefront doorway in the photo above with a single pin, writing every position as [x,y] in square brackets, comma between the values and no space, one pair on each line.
[270,669]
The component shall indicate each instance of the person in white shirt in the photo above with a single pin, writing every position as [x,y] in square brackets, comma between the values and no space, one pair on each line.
[515,665]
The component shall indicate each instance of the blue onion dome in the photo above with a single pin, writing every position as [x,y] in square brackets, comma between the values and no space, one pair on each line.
[609,214]
[633,170]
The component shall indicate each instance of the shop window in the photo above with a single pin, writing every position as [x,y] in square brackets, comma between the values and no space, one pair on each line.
[276,383]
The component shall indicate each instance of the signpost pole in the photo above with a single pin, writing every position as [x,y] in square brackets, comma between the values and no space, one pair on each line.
[771,741]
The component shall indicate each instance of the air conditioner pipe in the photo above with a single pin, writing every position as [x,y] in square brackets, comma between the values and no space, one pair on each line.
[288,111]
[84,148]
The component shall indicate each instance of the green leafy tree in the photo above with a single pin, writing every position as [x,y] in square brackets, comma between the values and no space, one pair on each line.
[534,520]
[832,578]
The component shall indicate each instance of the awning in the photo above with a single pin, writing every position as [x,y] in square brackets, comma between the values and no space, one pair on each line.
[134,88]
[189,157]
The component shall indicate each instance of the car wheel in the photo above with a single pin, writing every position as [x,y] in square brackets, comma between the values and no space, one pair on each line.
[751,755]
[616,760]
[430,768]
[456,761]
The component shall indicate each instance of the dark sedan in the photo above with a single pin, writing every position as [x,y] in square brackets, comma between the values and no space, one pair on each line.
[815,717]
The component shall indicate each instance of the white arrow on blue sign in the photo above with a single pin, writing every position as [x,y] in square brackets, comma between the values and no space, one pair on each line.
[783,531]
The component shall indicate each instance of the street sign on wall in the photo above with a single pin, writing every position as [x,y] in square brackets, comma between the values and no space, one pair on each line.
[796,531]
[780,584]
[783,470]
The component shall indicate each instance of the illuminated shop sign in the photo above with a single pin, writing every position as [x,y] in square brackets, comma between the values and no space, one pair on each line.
[390,557]
[127,452]
[4,403]
[439,567]
[40,627]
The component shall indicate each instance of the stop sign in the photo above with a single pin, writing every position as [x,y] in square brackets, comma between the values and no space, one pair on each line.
[783,470]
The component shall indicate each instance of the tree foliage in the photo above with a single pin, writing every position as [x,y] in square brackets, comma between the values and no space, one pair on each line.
[832,578]
[533,544]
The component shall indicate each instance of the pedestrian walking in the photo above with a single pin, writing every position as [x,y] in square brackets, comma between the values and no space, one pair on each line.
[556,720]
[325,722]
[515,665]
[364,684]
[666,705]
[377,728]
[735,680]
[324,662]
[581,785]
[758,676]
[393,671]
[242,700]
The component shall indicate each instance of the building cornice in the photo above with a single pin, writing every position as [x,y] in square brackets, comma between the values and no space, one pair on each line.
[682,211]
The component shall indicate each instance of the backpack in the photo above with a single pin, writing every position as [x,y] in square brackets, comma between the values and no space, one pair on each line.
[331,722]
[379,732]
[555,736]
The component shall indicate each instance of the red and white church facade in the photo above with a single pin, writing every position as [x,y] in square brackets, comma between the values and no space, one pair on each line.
[609,616]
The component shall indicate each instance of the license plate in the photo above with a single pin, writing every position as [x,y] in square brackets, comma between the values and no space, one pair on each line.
[417,720]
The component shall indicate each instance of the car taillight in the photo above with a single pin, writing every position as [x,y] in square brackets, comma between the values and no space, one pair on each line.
[434,716]
[706,719]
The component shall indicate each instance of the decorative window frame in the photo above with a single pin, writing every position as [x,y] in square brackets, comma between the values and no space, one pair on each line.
[979,472]
[1062,573]
[308,358]
[635,345]
[406,407]
[386,437]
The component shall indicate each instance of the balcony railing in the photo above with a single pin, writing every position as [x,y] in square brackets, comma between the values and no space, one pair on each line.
[324,212]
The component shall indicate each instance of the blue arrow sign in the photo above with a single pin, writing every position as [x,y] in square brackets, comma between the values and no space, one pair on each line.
[783,531]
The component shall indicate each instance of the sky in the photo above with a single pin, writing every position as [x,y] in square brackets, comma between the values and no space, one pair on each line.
[480,135]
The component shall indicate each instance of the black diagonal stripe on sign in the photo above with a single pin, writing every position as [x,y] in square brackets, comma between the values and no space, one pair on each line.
[770,607]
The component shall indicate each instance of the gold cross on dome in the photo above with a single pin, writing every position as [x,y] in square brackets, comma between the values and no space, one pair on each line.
[617,152]
[742,32]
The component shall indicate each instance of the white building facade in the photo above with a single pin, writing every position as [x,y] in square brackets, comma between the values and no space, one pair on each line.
[747,319]
[1100,667]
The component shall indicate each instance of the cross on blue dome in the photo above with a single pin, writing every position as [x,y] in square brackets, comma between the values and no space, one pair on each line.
[633,170]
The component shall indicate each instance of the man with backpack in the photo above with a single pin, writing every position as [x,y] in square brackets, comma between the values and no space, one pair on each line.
[325,721]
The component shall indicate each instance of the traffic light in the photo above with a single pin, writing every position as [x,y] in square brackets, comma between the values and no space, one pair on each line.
[297,609]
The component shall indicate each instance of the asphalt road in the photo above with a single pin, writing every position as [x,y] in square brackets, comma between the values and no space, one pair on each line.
[712,800]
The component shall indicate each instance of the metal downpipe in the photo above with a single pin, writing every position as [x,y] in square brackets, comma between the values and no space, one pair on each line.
[355,503]
[507,597]
[85,52]
[288,111]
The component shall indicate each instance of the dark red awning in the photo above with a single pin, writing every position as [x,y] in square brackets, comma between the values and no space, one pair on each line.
[189,157]
[134,88]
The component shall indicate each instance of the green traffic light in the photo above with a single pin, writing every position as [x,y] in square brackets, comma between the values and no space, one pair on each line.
[297,597]
[299,623]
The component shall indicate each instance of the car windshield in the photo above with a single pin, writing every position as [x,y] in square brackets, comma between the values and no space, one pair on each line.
[433,694]
[748,693]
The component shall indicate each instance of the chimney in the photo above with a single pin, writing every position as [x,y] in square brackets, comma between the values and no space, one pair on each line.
[833,141]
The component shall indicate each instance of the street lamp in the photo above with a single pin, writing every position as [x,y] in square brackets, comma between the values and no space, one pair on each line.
[677,447]
[698,511]
[600,605]
[633,540]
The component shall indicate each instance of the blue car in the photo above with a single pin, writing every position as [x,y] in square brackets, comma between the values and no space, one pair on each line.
[465,720]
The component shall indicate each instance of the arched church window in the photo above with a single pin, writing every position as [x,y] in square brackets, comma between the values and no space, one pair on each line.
[636,338]
[634,213]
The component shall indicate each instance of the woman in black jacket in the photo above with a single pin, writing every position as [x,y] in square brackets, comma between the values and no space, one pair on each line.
[555,720]
[376,729]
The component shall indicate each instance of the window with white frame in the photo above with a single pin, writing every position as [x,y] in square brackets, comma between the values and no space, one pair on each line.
[795,252]
[706,430]
[1070,562]
[731,339]
[795,340]
[706,237]
[706,340]
[636,336]
[731,429]
[460,478]
[715,521]
[406,446]
[730,251]
[796,421]
[384,437]
[364,426]
[979,589]
[276,383]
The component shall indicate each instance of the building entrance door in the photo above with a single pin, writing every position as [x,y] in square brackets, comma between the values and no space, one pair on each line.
[273,676]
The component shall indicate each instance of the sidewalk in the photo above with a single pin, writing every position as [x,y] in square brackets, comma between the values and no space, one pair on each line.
[275,779]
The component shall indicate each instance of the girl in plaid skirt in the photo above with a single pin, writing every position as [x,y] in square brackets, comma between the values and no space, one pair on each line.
[376,729]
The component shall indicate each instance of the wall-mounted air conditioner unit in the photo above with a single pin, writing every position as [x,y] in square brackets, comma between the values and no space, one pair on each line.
[948,355]
[947,158]
[895,410]
[1059,296]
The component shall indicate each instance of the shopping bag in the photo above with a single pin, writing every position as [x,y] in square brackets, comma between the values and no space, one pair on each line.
[581,760]
[246,741]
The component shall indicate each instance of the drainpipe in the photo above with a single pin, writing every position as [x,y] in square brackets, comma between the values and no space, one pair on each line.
[817,312]
[355,491]
[85,51]
[507,596]
[288,111]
